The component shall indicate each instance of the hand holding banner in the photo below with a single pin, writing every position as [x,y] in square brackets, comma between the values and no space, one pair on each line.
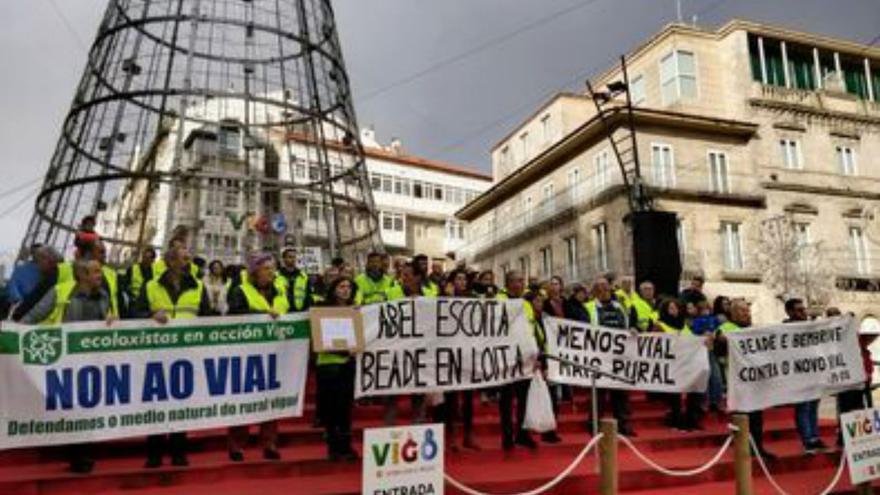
[655,362]
[430,345]
[792,362]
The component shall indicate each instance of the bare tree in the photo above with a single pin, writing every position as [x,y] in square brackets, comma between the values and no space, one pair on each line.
[792,265]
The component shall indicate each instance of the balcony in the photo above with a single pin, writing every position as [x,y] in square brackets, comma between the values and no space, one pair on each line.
[823,101]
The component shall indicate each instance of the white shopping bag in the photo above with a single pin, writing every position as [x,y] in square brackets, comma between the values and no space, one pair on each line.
[539,408]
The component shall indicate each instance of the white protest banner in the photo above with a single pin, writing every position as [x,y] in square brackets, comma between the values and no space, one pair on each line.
[405,460]
[655,361]
[433,345]
[86,382]
[861,441]
[791,363]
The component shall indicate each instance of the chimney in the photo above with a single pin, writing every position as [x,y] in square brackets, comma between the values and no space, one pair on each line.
[368,137]
[396,146]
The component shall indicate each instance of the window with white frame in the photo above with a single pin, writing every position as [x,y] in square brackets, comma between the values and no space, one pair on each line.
[546,130]
[454,230]
[662,162]
[637,90]
[678,76]
[859,249]
[731,246]
[718,172]
[387,184]
[602,171]
[231,195]
[525,265]
[574,183]
[376,181]
[392,222]
[524,146]
[790,149]
[546,261]
[600,241]
[681,237]
[846,160]
[571,257]
[229,140]
[801,233]
[549,198]
[314,212]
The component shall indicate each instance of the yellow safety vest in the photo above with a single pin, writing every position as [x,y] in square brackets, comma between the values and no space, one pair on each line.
[300,287]
[371,292]
[65,276]
[537,331]
[159,267]
[137,280]
[728,326]
[258,303]
[593,310]
[686,330]
[645,313]
[63,291]
[430,289]
[186,306]
[624,299]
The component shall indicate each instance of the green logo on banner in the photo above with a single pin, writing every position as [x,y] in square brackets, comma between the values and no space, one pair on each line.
[42,346]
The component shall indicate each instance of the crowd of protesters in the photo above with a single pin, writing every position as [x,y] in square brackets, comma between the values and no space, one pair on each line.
[50,290]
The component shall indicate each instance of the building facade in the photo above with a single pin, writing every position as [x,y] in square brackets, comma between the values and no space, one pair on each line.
[248,191]
[762,140]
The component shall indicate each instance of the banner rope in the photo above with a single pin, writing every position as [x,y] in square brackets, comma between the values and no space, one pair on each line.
[680,473]
[541,489]
[778,488]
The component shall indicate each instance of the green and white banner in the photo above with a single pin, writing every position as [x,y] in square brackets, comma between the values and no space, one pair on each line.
[86,381]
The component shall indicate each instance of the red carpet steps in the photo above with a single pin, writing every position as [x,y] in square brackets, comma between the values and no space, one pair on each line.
[303,469]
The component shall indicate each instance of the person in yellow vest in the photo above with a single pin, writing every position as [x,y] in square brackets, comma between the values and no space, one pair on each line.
[96,250]
[175,294]
[672,321]
[335,373]
[409,285]
[374,285]
[296,279]
[259,294]
[740,319]
[623,292]
[643,314]
[514,286]
[429,288]
[604,311]
[140,273]
[82,299]
[159,266]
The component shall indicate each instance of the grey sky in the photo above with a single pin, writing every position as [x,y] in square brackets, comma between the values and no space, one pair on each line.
[454,113]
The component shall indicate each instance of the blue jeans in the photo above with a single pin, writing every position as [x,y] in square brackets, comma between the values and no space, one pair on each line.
[715,391]
[806,418]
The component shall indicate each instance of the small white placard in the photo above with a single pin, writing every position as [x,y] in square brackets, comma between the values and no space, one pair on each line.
[337,330]
[861,443]
[407,459]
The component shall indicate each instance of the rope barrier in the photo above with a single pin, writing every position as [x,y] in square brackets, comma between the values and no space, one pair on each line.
[679,473]
[778,488]
[541,489]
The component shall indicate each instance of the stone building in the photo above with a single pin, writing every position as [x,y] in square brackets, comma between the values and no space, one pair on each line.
[750,133]
[415,198]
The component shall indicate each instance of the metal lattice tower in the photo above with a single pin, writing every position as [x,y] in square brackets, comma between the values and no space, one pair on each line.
[192,115]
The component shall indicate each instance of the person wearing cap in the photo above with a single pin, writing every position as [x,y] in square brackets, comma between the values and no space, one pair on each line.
[297,280]
[174,295]
[259,293]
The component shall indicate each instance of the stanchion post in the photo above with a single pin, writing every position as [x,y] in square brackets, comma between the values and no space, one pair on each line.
[742,457]
[608,457]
